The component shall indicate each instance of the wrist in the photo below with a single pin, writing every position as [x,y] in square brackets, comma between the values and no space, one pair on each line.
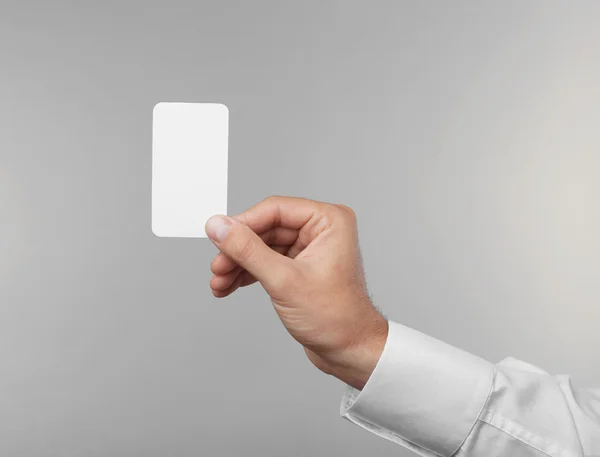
[355,364]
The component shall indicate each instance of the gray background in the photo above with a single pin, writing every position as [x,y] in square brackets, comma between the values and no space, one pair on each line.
[464,134]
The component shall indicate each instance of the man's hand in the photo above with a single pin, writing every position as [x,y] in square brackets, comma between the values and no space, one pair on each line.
[306,256]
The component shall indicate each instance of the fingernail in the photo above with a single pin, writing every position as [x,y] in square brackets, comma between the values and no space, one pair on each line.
[217,227]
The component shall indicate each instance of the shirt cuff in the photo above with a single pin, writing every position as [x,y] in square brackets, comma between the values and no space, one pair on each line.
[423,394]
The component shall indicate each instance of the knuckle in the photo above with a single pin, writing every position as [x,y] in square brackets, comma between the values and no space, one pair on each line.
[271,199]
[347,210]
[246,249]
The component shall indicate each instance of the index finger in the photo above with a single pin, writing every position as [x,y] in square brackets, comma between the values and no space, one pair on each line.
[279,211]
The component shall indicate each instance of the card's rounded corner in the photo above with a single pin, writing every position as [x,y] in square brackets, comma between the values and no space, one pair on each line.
[157,107]
[157,233]
[223,106]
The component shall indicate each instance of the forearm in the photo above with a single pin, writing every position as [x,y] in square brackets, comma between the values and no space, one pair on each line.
[438,400]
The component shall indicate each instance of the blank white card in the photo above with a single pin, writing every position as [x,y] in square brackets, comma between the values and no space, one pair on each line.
[189,167]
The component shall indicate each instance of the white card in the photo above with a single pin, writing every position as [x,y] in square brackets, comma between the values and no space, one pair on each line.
[189,167]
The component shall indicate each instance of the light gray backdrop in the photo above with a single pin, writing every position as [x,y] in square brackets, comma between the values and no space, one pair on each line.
[464,134]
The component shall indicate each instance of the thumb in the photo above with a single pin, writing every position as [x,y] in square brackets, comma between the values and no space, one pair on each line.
[240,243]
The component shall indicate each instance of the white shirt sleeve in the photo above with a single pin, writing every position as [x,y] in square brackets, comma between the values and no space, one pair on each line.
[440,401]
